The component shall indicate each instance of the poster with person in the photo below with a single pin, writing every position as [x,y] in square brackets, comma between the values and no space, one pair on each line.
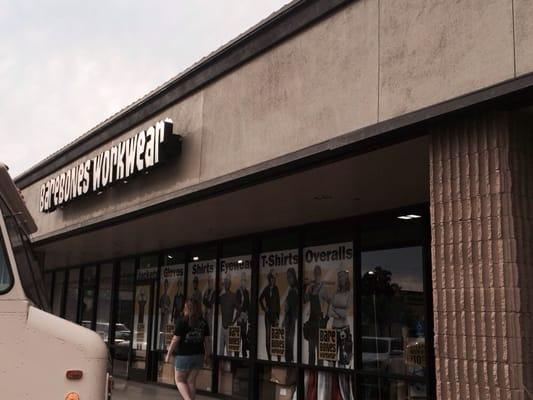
[234,306]
[170,303]
[328,321]
[140,317]
[279,301]
[201,287]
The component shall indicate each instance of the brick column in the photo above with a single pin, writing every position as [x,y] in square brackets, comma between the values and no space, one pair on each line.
[481,173]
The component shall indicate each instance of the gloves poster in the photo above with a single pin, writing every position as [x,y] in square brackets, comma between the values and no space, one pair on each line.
[171,301]
[328,320]
[234,306]
[278,306]
[201,287]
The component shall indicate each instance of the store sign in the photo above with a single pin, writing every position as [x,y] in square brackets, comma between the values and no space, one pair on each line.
[139,153]
[327,345]
[415,354]
[277,342]
[234,341]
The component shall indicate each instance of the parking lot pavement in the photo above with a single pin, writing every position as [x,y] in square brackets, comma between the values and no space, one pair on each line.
[129,390]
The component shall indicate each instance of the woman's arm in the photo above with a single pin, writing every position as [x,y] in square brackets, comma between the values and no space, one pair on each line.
[171,347]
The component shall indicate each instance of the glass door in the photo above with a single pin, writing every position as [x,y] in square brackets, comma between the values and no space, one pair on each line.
[143,313]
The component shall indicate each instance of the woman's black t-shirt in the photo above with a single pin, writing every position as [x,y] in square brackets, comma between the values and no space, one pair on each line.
[191,339]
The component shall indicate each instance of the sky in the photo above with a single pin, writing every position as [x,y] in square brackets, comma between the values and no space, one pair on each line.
[66,65]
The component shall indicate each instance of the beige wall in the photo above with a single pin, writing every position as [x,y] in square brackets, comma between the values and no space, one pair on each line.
[370,61]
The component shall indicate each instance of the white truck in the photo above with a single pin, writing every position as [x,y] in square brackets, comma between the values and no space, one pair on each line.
[41,356]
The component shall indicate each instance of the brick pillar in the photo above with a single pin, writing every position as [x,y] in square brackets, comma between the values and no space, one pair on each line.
[481,173]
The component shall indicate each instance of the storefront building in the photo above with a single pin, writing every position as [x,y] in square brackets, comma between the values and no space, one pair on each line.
[345,188]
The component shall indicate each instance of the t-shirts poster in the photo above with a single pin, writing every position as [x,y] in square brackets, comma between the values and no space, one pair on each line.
[278,306]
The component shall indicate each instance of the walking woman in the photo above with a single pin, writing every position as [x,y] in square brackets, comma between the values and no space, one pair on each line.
[192,347]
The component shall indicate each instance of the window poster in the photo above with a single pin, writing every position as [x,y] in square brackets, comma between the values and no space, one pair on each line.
[170,303]
[278,306]
[201,287]
[234,306]
[328,305]
[140,317]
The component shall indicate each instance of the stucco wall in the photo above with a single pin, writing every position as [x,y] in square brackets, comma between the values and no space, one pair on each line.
[368,62]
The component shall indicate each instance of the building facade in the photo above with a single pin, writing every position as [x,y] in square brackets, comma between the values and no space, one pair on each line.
[345,188]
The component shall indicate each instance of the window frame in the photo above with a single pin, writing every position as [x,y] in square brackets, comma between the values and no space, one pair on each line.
[3,248]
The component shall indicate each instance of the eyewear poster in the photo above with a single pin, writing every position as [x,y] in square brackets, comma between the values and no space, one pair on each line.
[201,287]
[170,302]
[234,305]
[278,306]
[140,317]
[328,305]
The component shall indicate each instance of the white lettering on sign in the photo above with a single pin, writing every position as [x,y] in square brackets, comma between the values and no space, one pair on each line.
[136,154]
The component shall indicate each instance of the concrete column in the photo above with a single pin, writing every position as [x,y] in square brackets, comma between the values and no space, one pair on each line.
[481,189]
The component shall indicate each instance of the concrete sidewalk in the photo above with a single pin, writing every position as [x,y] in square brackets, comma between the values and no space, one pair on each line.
[129,390]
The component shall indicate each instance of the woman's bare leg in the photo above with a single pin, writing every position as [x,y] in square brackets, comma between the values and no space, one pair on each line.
[182,384]
[192,382]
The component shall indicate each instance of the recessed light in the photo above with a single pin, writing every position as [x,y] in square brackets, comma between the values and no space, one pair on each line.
[370,272]
[239,262]
[409,216]
[195,258]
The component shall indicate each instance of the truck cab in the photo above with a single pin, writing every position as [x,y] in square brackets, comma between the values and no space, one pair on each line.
[41,356]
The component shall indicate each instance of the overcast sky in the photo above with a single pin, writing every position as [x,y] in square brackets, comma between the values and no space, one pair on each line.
[66,65]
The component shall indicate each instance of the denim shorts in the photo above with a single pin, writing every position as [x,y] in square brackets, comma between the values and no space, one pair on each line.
[186,363]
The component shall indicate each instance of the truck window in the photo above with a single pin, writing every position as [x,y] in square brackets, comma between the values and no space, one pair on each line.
[6,279]
[27,267]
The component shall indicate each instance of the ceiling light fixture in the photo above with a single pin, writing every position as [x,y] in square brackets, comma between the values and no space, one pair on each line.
[409,216]
[195,258]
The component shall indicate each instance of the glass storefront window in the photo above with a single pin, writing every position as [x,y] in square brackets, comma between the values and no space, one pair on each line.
[279,299]
[328,298]
[88,296]
[124,318]
[48,281]
[393,311]
[71,301]
[328,385]
[276,382]
[234,378]
[57,301]
[103,308]
[235,277]
[380,388]
[170,306]
[143,309]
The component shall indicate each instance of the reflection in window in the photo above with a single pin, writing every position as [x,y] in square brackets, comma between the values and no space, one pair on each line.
[124,318]
[48,279]
[87,301]
[328,385]
[392,306]
[59,283]
[103,307]
[378,388]
[71,306]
